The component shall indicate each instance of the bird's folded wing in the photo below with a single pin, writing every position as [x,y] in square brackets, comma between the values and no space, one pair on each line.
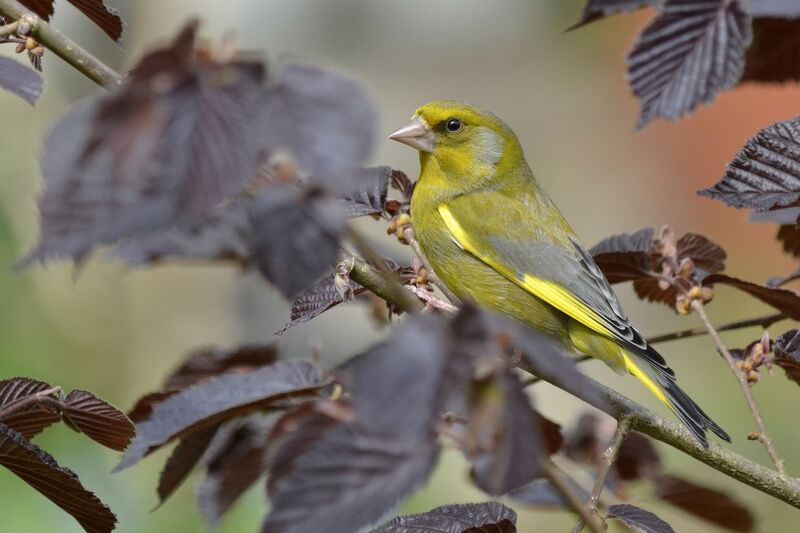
[565,276]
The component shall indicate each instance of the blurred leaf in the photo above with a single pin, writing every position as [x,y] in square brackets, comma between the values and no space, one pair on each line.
[488,517]
[234,468]
[20,80]
[183,459]
[318,299]
[541,493]
[766,173]
[325,119]
[789,235]
[708,504]
[221,235]
[774,55]
[296,237]
[370,195]
[775,8]
[687,54]
[59,485]
[787,354]
[637,458]
[28,420]
[784,300]
[503,440]
[348,474]
[144,406]
[220,398]
[597,9]
[400,181]
[639,519]
[175,139]
[87,414]
[625,257]
[205,363]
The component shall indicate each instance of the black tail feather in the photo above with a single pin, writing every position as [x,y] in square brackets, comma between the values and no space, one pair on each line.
[695,419]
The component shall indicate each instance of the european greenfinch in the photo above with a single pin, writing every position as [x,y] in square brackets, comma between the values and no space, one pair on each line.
[493,236]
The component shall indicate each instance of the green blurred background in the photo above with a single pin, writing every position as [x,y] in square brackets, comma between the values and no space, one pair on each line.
[117,331]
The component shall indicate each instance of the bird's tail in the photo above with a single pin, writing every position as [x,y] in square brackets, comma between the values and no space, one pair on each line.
[666,390]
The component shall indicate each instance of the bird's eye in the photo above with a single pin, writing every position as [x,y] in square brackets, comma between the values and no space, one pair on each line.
[453,125]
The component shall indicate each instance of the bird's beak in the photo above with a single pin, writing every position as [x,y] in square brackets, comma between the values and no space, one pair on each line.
[416,134]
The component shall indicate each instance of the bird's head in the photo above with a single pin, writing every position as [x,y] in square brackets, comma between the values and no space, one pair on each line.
[464,141]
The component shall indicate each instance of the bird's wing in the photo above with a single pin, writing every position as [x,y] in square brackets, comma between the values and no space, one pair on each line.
[565,276]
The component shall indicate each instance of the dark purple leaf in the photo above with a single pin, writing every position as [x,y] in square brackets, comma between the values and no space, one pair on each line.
[597,9]
[183,459]
[625,257]
[637,458]
[25,417]
[784,300]
[787,354]
[296,237]
[402,183]
[766,173]
[43,8]
[144,406]
[691,51]
[59,485]
[87,414]
[504,438]
[205,363]
[217,399]
[488,517]
[178,137]
[318,299]
[369,195]
[638,519]
[234,468]
[345,475]
[20,80]
[789,235]
[775,8]
[325,119]
[709,504]
[106,18]
[222,235]
[774,55]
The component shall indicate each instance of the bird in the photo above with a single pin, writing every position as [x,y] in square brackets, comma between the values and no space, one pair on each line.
[494,237]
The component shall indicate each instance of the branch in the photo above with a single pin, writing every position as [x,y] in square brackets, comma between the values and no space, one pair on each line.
[768,481]
[562,487]
[383,285]
[30,24]
[610,455]
[763,321]
[763,436]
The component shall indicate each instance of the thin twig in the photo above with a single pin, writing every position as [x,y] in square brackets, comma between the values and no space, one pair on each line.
[609,456]
[9,29]
[763,321]
[592,520]
[382,284]
[763,436]
[59,44]
[431,300]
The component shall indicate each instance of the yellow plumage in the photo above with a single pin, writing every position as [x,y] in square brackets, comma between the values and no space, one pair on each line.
[494,236]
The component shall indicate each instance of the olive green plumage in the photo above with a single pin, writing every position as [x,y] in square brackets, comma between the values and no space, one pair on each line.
[493,236]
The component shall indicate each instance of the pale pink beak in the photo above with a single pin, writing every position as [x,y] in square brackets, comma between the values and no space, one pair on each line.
[416,134]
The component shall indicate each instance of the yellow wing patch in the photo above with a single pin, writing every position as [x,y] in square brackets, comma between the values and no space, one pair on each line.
[552,293]
[651,385]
